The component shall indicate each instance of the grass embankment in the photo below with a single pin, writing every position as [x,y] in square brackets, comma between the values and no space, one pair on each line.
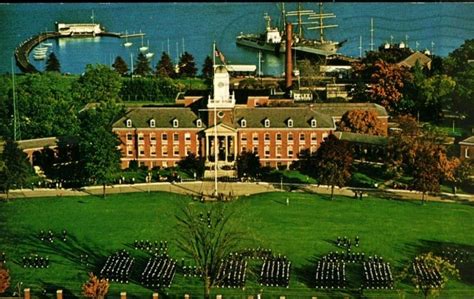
[303,231]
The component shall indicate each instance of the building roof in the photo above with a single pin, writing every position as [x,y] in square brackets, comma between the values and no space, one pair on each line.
[411,60]
[468,141]
[362,138]
[163,117]
[279,116]
[338,109]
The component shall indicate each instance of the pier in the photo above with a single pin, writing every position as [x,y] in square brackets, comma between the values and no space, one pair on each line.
[22,52]
[131,35]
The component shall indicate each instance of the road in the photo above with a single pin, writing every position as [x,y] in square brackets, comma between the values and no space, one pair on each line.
[204,190]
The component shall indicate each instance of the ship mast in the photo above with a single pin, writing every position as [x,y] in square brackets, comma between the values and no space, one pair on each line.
[321,25]
[299,13]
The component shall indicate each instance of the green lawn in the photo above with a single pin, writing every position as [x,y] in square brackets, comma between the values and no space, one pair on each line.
[303,231]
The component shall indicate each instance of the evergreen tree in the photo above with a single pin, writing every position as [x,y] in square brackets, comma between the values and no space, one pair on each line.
[248,165]
[164,67]
[207,68]
[52,64]
[143,66]
[187,66]
[16,167]
[120,66]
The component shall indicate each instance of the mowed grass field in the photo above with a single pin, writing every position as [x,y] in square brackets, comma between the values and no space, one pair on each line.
[303,231]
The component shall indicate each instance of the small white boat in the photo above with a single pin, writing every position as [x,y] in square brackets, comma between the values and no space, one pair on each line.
[144,48]
[39,56]
[47,44]
[127,43]
[149,55]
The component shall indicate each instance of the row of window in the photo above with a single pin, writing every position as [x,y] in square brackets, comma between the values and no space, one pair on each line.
[164,137]
[289,123]
[243,137]
[152,123]
[164,151]
[278,150]
[278,137]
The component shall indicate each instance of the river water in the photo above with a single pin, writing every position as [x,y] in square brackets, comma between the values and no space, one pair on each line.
[192,27]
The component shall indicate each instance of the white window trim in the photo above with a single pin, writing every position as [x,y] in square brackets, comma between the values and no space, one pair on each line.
[466,152]
[243,123]
[175,123]
[199,123]
[314,123]
[290,123]
[129,123]
[152,123]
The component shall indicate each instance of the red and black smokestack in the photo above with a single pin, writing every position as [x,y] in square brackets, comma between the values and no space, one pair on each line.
[288,60]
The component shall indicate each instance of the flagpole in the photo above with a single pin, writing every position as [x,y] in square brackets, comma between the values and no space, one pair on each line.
[14,104]
[213,54]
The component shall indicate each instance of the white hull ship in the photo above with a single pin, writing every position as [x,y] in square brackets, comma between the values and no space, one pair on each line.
[272,40]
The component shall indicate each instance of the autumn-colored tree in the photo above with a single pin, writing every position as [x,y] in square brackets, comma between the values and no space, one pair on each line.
[387,81]
[362,121]
[440,271]
[426,171]
[4,279]
[331,163]
[408,125]
[95,288]
[463,172]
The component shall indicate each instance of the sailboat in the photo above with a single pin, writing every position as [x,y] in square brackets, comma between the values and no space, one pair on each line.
[149,55]
[143,48]
[127,43]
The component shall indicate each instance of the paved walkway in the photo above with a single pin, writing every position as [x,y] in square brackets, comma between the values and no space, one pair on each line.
[199,189]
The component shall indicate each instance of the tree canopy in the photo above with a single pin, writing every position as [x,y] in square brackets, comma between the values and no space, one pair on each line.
[142,67]
[207,68]
[192,164]
[16,167]
[363,122]
[248,164]
[99,83]
[95,288]
[187,65]
[164,67]
[120,66]
[331,163]
[4,279]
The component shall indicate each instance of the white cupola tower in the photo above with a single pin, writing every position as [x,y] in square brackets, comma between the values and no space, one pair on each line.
[222,97]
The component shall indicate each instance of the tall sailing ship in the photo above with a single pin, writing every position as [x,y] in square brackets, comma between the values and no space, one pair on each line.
[273,39]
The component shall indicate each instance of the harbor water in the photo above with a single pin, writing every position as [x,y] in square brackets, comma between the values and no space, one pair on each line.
[192,27]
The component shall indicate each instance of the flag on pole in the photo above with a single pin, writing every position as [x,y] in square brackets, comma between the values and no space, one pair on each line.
[220,55]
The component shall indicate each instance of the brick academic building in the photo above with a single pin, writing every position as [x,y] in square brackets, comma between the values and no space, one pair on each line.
[276,129]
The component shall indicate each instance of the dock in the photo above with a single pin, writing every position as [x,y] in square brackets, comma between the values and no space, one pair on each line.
[23,50]
[131,35]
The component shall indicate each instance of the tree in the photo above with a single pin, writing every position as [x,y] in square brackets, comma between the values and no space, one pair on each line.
[120,66]
[308,72]
[192,164]
[426,173]
[52,64]
[142,66]
[207,68]
[387,82]
[98,152]
[208,238]
[463,172]
[16,168]
[331,163]
[187,66]
[436,266]
[95,288]
[362,121]
[248,165]
[457,61]
[164,67]
[4,279]
[99,84]
[45,105]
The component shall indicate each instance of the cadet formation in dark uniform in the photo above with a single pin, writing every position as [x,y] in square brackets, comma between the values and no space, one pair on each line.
[117,267]
[377,274]
[35,261]
[428,277]
[159,272]
[275,272]
[232,272]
